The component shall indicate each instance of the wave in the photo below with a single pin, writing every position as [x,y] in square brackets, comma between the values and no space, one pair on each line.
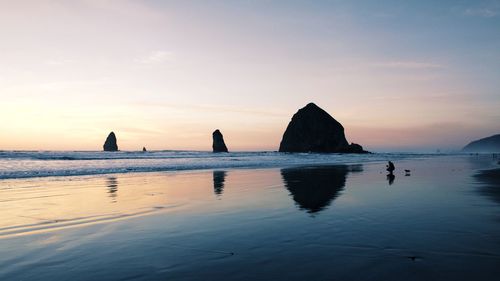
[29,164]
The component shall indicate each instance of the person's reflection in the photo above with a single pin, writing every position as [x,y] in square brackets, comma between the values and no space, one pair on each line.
[314,188]
[219,179]
[391,178]
[112,185]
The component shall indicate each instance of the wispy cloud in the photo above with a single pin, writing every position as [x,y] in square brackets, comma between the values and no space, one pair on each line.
[481,12]
[407,65]
[156,57]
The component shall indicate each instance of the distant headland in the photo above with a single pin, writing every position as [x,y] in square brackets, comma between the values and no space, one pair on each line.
[488,144]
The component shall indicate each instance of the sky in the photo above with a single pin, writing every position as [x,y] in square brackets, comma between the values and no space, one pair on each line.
[399,75]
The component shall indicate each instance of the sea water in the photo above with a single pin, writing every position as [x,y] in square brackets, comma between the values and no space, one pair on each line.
[316,217]
[28,164]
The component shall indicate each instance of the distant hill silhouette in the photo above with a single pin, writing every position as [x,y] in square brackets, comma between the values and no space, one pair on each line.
[489,144]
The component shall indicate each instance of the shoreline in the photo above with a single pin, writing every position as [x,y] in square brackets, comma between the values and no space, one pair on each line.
[183,219]
[60,166]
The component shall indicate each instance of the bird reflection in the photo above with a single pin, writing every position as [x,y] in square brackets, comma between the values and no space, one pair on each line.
[112,185]
[219,179]
[314,188]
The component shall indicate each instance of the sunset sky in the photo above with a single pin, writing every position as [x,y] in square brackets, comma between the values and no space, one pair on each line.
[399,75]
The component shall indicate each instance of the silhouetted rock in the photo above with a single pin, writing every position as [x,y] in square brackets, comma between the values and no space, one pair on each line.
[356,148]
[489,144]
[110,143]
[144,149]
[313,130]
[218,142]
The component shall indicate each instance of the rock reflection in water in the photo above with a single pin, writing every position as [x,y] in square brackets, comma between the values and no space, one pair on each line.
[314,188]
[112,185]
[219,177]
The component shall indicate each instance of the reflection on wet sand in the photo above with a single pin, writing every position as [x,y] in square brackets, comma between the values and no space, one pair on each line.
[491,181]
[51,203]
[391,178]
[219,177]
[112,185]
[314,188]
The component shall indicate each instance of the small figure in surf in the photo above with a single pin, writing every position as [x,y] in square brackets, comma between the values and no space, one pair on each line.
[390,167]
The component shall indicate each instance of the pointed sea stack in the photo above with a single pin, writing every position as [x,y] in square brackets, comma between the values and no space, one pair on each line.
[313,130]
[110,143]
[218,142]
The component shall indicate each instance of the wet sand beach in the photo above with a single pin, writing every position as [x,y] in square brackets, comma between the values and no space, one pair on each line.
[317,222]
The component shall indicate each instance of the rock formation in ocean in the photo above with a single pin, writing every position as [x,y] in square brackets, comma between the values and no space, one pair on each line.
[110,143]
[314,130]
[489,144]
[218,142]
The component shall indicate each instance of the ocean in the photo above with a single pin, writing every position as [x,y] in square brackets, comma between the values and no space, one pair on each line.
[187,215]
[30,164]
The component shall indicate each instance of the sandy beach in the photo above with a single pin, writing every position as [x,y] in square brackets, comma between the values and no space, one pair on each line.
[345,222]
[249,140]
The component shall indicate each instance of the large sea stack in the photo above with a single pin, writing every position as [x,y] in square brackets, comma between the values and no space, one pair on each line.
[313,130]
[489,144]
[218,142]
[110,143]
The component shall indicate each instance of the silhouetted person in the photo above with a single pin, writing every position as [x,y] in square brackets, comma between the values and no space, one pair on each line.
[219,178]
[313,189]
[390,167]
[391,177]
[144,149]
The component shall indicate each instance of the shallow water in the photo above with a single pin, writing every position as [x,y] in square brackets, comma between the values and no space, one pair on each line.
[342,222]
[29,164]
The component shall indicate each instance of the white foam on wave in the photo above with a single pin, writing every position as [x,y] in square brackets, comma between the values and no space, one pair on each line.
[28,164]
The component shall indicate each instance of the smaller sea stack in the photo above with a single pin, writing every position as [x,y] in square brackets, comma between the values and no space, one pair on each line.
[218,142]
[110,143]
